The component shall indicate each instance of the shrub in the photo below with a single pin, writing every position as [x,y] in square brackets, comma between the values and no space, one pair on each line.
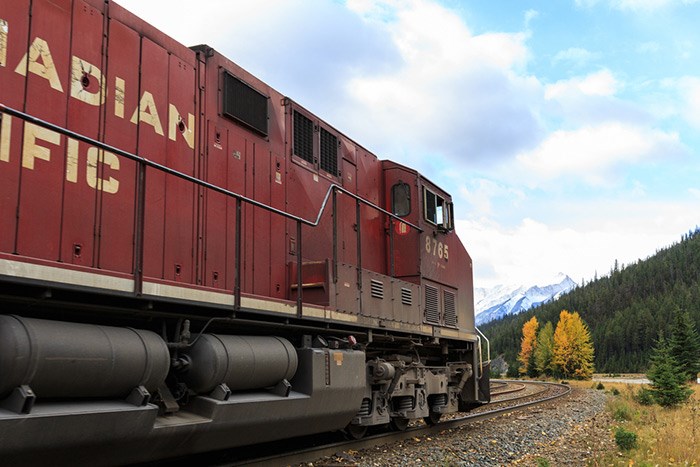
[600,386]
[625,440]
[622,412]
[512,371]
[542,462]
[614,392]
[644,397]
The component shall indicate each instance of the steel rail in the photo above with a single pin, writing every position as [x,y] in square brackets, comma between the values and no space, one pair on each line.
[311,454]
[518,388]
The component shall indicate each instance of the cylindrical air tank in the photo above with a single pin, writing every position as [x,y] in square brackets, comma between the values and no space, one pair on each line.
[241,362]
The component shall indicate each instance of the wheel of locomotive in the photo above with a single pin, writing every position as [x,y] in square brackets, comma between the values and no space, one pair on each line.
[432,419]
[398,423]
[355,431]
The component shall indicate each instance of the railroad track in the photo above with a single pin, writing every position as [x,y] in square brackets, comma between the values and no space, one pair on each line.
[521,395]
[515,387]
[498,384]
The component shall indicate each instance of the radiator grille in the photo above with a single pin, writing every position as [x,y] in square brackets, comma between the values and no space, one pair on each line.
[450,309]
[245,104]
[329,152]
[303,137]
[432,310]
[377,288]
[406,296]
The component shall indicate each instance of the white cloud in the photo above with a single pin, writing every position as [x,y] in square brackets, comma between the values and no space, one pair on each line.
[592,152]
[453,92]
[306,49]
[636,6]
[689,90]
[592,99]
[648,47]
[601,83]
[478,198]
[576,55]
[530,16]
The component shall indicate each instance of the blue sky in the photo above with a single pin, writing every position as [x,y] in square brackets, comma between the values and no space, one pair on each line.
[566,131]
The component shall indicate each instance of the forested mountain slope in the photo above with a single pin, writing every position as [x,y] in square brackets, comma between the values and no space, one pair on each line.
[624,310]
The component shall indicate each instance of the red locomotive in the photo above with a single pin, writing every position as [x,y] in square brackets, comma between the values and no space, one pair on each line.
[191,261]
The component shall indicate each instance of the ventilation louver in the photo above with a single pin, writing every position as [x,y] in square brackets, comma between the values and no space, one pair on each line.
[377,289]
[329,152]
[303,137]
[244,104]
[406,296]
[432,309]
[450,309]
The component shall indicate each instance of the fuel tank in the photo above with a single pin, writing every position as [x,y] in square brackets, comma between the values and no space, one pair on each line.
[70,360]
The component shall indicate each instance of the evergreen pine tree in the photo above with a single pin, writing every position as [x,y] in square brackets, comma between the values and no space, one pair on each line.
[667,376]
[685,344]
[532,371]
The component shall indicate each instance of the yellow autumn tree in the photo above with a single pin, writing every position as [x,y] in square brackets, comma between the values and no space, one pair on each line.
[527,347]
[573,348]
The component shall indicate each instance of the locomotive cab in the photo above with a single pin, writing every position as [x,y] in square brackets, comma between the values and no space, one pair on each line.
[434,257]
[443,373]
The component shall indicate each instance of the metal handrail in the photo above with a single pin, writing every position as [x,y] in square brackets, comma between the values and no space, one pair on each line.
[488,345]
[333,188]
[197,181]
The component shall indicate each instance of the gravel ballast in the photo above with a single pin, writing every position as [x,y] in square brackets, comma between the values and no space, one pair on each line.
[568,431]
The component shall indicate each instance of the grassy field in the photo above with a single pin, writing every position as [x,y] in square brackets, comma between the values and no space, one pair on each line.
[663,436]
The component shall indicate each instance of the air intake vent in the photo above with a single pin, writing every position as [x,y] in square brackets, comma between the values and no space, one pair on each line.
[432,310]
[329,152]
[303,137]
[406,296]
[377,289]
[450,309]
[244,104]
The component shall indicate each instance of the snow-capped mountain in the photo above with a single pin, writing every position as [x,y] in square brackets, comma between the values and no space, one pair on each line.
[502,300]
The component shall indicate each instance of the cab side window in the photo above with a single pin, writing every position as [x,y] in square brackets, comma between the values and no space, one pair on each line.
[401,199]
[438,211]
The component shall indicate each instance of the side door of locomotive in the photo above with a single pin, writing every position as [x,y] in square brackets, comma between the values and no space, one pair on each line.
[403,252]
